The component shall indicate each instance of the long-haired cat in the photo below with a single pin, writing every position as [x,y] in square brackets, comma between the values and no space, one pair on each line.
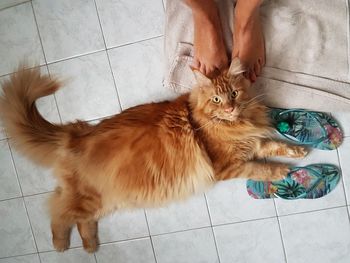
[145,156]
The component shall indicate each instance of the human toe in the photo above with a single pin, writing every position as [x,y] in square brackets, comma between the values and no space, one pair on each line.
[195,64]
[252,76]
[257,69]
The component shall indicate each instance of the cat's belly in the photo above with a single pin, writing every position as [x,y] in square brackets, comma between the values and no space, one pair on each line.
[168,188]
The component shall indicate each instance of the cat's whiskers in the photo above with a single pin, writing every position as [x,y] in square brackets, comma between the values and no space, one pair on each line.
[250,103]
[211,121]
[253,103]
[254,98]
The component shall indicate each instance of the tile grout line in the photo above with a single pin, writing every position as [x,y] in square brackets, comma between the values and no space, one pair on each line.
[114,81]
[70,248]
[145,214]
[38,31]
[280,230]
[47,67]
[116,241]
[211,226]
[220,224]
[150,237]
[24,203]
[279,226]
[343,183]
[81,247]
[136,42]
[314,211]
[95,257]
[244,221]
[54,97]
[75,56]
[30,195]
[14,166]
[26,2]
[180,231]
[101,118]
[216,225]
[90,53]
[109,61]
[23,255]
[39,257]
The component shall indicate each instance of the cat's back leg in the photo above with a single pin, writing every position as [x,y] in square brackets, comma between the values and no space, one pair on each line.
[60,226]
[74,204]
[88,233]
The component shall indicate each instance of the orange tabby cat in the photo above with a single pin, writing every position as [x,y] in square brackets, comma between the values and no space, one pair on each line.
[145,156]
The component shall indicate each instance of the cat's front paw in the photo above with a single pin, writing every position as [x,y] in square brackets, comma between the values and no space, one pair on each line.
[297,152]
[279,172]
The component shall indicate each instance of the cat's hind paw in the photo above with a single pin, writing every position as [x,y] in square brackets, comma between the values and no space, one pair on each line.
[90,245]
[60,244]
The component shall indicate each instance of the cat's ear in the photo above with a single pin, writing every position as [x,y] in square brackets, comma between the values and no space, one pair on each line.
[236,67]
[201,79]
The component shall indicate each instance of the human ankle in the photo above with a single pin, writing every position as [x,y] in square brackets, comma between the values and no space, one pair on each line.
[246,13]
[201,6]
[207,15]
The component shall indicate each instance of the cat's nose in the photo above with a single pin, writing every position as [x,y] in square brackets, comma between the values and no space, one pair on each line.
[229,110]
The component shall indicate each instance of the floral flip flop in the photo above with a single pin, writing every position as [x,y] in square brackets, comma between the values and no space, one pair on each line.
[310,128]
[309,182]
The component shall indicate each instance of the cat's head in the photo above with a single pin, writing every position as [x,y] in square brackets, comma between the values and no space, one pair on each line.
[225,98]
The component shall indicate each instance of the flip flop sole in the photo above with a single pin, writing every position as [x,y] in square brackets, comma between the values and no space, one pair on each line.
[309,182]
[315,129]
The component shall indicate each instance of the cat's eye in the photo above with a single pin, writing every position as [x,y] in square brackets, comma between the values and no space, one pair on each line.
[216,99]
[234,94]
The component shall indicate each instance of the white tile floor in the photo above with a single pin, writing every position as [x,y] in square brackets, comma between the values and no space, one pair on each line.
[110,51]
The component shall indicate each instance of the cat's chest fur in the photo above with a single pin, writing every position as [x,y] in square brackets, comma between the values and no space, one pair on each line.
[228,150]
[232,144]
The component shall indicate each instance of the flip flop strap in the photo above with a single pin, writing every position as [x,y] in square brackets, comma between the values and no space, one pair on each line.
[307,190]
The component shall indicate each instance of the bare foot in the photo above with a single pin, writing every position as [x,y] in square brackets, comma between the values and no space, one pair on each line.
[210,55]
[248,41]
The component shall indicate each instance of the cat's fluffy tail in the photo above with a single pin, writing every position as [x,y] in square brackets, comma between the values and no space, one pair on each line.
[35,137]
